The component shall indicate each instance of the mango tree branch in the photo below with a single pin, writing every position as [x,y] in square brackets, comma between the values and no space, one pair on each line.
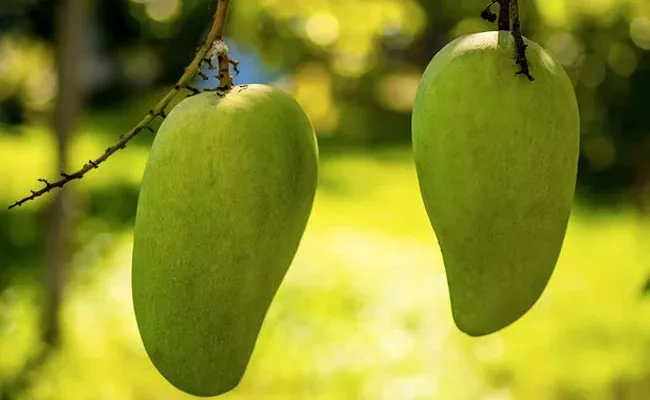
[202,55]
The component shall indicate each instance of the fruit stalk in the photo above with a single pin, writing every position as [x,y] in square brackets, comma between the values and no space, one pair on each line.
[519,41]
[509,11]
[504,15]
[225,79]
[194,68]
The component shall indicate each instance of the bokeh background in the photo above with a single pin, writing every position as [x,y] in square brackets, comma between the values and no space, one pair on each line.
[364,310]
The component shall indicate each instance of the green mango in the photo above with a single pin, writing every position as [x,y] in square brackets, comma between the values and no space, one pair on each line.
[225,198]
[496,159]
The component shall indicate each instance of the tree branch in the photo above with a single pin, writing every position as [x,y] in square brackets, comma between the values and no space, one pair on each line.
[202,56]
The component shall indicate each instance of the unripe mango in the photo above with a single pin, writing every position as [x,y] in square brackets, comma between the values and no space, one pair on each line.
[225,198]
[496,157]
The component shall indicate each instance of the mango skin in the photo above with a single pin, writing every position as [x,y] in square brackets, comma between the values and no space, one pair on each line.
[496,158]
[225,198]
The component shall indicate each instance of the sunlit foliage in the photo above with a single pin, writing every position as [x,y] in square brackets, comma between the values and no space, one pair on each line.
[364,311]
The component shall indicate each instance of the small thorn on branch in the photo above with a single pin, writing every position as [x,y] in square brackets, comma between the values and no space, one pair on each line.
[65,176]
[44,181]
[160,114]
[193,90]
[147,127]
[235,65]
[93,164]
[524,71]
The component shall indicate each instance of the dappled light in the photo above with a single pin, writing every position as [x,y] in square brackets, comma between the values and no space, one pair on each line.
[364,310]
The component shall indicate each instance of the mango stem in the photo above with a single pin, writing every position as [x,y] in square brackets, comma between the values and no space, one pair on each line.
[219,47]
[504,15]
[520,46]
[509,11]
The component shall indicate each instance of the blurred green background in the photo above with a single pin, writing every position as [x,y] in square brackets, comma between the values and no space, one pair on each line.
[364,310]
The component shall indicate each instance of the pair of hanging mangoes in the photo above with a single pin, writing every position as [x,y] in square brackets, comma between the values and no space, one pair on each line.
[231,179]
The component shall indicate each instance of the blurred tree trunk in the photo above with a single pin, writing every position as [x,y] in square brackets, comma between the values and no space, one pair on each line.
[70,30]
[69,34]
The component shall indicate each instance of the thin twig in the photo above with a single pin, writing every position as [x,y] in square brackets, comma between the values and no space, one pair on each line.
[520,45]
[215,34]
